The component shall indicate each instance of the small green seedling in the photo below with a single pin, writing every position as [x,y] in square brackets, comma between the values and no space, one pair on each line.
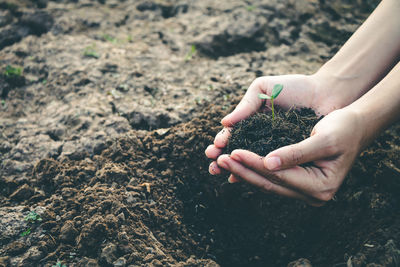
[33,217]
[90,51]
[275,92]
[26,232]
[11,71]
[226,97]
[250,8]
[59,264]
[191,53]
[109,38]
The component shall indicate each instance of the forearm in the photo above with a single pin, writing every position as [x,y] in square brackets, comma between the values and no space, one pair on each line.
[380,107]
[367,56]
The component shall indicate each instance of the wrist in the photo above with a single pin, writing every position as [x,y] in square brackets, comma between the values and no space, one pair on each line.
[341,82]
[332,91]
[363,126]
[371,118]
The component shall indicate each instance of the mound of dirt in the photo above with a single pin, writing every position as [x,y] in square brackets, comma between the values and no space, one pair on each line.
[261,134]
[147,199]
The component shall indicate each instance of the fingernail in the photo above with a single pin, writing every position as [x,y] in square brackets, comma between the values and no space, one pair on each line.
[273,163]
[223,119]
[230,180]
[211,168]
[223,165]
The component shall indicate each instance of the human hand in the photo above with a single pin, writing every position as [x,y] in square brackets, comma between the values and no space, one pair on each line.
[346,79]
[299,91]
[335,142]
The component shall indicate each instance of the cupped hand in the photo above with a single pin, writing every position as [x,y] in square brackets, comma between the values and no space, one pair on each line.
[299,91]
[335,142]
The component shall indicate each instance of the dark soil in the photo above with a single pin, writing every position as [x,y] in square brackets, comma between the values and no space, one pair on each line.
[261,135]
[147,199]
[104,137]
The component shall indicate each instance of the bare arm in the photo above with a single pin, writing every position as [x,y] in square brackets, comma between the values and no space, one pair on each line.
[365,58]
[380,107]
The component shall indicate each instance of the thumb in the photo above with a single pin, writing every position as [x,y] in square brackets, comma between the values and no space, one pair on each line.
[311,149]
[249,104]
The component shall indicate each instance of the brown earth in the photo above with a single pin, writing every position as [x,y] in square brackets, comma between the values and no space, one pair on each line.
[104,134]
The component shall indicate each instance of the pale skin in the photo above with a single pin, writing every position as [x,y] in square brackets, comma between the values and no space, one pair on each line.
[358,91]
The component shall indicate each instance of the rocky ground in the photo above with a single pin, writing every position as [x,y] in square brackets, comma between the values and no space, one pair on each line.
[102,137]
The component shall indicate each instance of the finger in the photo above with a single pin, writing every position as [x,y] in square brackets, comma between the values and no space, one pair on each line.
[221,139]
[250,160]
[311,149]
[249,104]
[254,162]
[212,152]
[233,179]
[214,169]
[256,179]
[311,181]
[307,181]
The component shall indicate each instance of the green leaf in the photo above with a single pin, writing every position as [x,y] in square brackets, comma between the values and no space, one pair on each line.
[90,51]
[11,71]
[276,90]
[191,53]
[26,232]
[264,96]
[109,38]
[33,217]
[250,8]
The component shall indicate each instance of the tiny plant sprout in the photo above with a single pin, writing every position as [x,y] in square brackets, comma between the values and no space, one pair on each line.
[275,92]
[26,232]
[191,53]
[11,71]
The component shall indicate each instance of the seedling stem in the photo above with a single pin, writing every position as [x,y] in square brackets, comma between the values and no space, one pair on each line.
[275,92]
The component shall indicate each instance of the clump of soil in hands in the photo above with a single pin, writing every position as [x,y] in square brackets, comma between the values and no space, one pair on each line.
[261,134]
